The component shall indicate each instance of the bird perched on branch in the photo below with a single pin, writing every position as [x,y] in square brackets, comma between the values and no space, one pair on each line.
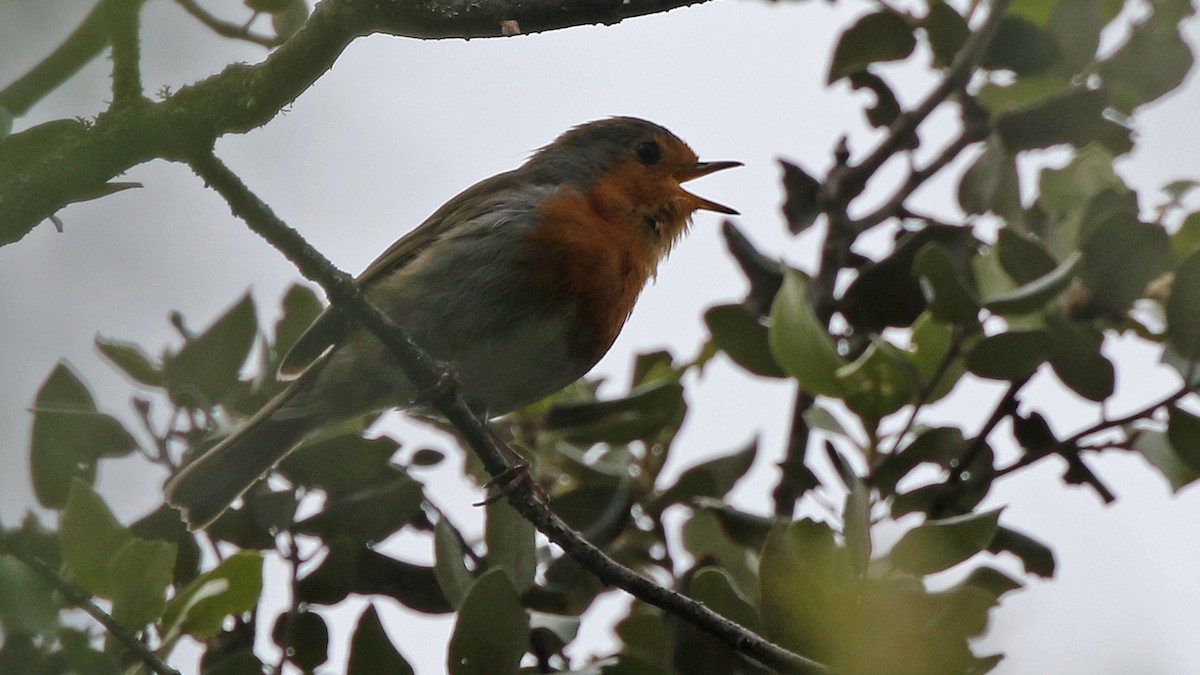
[522,281]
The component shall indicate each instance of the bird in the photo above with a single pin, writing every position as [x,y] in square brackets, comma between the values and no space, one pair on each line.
[521,282]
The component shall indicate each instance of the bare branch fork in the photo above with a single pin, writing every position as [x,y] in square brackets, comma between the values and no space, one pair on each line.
[423,371]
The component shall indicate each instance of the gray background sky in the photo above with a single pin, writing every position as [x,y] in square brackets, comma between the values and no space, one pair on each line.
[398,126]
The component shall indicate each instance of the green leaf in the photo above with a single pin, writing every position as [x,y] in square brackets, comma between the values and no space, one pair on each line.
[1035,556]
[1152,62]
[140,573]
[301,306]
[1011,356]
[886,108]
[371,651]
[941,446]
[90,538]
[937,545]
[800,343]
[1183,430]
[551,633]
[802,206]
[886,293]
[806,585]
[132,360]
[371,514]
[1022,258]
[947,31]
[1183,309]
[1120,256]
[69,436]
[360,461]
[742,336]
[233,587]
[304,637]
[1073,116]
[1087,175]
[879,382]
[990,183]
[651,409]
[510,544]
[882,36]
[1033,295]
[1019,46]
[1000,99]
[1186,239]
[950,297]
[1156,447]
[451,571]
[492,629]
[27,602]
[206,368]
[1076,359]
[699,652]
[856,529]
[714,478]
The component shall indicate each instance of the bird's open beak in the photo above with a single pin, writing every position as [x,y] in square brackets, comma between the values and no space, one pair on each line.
[703,169]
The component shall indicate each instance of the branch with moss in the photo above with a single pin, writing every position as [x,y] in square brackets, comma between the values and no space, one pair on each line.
[444,397]
[78,160]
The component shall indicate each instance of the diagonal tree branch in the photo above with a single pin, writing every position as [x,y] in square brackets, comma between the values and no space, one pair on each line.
[425,374]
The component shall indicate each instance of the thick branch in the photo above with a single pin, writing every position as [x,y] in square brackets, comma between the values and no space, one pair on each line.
[241,97]
[425,374]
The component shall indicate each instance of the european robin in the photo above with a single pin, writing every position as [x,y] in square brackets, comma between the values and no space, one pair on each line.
[522,281]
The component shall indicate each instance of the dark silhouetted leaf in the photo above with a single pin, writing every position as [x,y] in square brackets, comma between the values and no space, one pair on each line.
[1183,309]
[714,478]
[371,514]
[492,629]
[882,36]
[1076,359]
[1070,117]
[940,446]
[990,183]
[1022,258]
[937,545]
[1152,62]
[949,294]
[1019,46]
[651,409]
[359,462]
[449,567]
[802,205]
[207,366]
[1160,452]
[371,651]
[886,108]
[1183,430]
[740,334]
[300,308]
[1120,256]
[947,32]
[304,637]
[132,360]
[1035,556]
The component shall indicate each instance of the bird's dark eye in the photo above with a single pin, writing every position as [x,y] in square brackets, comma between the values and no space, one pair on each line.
[648,153]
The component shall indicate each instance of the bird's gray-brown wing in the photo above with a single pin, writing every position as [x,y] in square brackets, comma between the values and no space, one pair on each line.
[331,326]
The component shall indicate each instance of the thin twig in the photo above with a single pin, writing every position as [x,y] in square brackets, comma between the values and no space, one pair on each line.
[423,372]
[225,28]
[847,182]
[81,46]
[76,597]
[124,21]
[916,178]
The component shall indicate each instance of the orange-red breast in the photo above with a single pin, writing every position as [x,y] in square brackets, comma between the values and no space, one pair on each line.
[523,281]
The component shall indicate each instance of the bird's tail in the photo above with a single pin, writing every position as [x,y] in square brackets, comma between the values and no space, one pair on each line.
[206,487]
